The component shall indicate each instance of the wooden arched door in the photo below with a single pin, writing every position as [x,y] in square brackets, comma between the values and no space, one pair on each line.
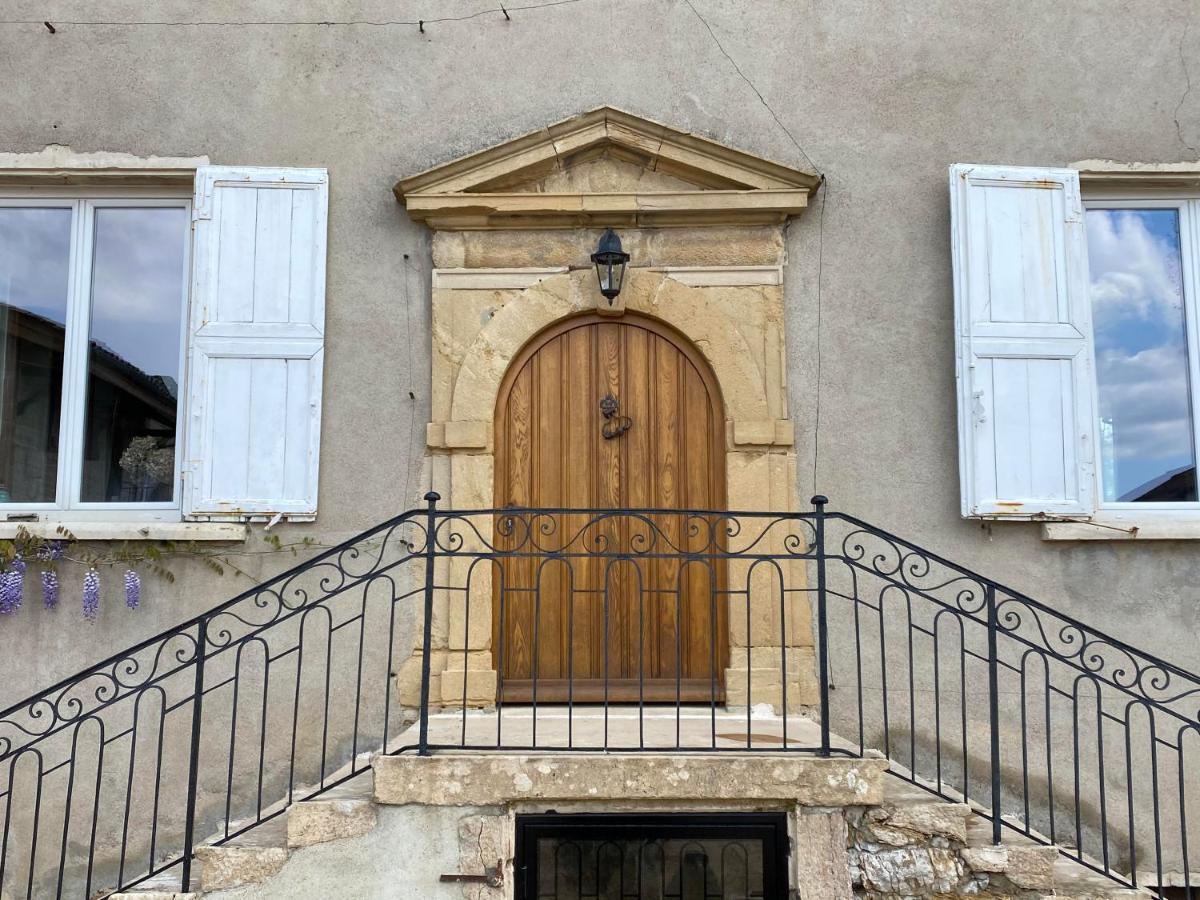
[625,625]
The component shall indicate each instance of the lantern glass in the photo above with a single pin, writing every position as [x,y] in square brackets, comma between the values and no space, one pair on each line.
[610,261]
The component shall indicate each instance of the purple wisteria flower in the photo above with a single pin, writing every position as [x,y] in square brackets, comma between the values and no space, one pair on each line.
[12,585]
[52,551]
[50,588]
[91,594]
[133,589]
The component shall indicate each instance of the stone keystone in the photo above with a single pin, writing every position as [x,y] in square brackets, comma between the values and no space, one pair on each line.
[317,821]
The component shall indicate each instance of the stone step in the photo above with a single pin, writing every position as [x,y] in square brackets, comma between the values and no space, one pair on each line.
[1028,866]
[979,834]
[153,895]
[1069,878]
[1078,882]
[358,787]
[271,833]
[318,821]
[229,867]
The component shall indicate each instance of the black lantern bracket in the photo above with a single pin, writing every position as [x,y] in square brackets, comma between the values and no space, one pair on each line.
[610,260]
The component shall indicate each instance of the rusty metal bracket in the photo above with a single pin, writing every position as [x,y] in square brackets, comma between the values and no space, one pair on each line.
[492,876]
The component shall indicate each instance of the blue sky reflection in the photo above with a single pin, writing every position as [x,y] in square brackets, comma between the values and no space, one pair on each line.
[1146,433]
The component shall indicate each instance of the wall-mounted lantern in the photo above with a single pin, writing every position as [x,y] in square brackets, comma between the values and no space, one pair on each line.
[610,262]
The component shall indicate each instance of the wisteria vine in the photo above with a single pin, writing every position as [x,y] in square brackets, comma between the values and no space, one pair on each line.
[44,555]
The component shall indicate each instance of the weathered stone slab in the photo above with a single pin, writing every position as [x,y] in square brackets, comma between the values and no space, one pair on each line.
[822,864]
[947,820]
[1028,867]
[227,867]
[317,821]
[912,824]
[486,779]
[911,872]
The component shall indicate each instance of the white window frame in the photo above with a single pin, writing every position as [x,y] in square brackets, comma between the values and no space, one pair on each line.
[1187,203]
[83,202]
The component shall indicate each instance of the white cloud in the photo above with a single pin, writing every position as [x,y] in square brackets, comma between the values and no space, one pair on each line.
[1146,394]
[1133,272]
[1138,319]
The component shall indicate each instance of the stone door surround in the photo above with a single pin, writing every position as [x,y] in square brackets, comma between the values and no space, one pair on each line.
[514,226]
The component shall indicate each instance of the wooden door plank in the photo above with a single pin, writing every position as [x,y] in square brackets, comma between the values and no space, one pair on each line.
[550,453]
[669,450]
[547,574]
[580,462]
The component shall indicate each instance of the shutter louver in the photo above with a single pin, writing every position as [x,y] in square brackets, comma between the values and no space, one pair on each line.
[1023,335]
[256,342]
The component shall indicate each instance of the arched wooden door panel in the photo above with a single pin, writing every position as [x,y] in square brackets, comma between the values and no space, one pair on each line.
[650,627]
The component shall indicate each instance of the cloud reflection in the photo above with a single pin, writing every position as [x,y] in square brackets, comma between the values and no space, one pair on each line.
[1141,344]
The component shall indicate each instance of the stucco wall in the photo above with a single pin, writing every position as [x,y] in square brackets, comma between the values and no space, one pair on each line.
[880,97]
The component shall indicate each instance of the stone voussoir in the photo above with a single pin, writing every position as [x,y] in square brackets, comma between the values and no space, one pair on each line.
[228,867]
[318,821]
[485,780]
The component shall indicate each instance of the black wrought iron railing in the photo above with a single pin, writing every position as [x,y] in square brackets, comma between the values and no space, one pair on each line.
[560,630]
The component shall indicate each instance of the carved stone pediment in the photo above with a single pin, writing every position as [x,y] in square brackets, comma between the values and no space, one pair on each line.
[605,167]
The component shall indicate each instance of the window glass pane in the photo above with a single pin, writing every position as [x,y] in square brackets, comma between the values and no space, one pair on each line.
[133,355]
[1146,434]
[35,249]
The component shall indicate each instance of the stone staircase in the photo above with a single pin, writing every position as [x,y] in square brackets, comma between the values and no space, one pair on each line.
[916,844]
[386,833]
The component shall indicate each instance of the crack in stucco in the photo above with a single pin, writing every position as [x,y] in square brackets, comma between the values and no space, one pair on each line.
[761,99]
[1187,78]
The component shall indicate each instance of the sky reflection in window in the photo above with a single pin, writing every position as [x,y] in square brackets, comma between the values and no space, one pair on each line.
[35,246]
[1147,452]
[134,358]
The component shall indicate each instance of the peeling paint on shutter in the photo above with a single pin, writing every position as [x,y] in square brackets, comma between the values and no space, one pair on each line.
[1024,348]
[256,342]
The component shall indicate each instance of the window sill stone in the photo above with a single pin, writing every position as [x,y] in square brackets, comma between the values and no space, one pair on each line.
[1115,528]
[131,531]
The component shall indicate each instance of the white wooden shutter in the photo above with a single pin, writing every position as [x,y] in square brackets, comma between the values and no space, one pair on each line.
[257,339]
[1024,349]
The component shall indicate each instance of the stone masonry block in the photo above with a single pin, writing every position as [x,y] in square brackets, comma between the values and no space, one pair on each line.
[948,820]
[489,780]
[480,686]
[228,867]
[1028,867]
[822,864]
[317,821]
[765,685]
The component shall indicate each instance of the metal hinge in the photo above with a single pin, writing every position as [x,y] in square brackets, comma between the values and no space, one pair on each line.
[492,876]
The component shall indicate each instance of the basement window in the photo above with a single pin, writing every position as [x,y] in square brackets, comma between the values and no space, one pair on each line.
[694,856]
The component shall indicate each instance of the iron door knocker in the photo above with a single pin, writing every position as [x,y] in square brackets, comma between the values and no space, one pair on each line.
[614,425]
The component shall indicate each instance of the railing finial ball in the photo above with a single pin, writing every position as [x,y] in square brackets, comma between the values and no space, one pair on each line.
[819,500]
[433,496]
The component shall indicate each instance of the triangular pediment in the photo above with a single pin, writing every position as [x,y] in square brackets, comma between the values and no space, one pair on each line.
[608,167]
